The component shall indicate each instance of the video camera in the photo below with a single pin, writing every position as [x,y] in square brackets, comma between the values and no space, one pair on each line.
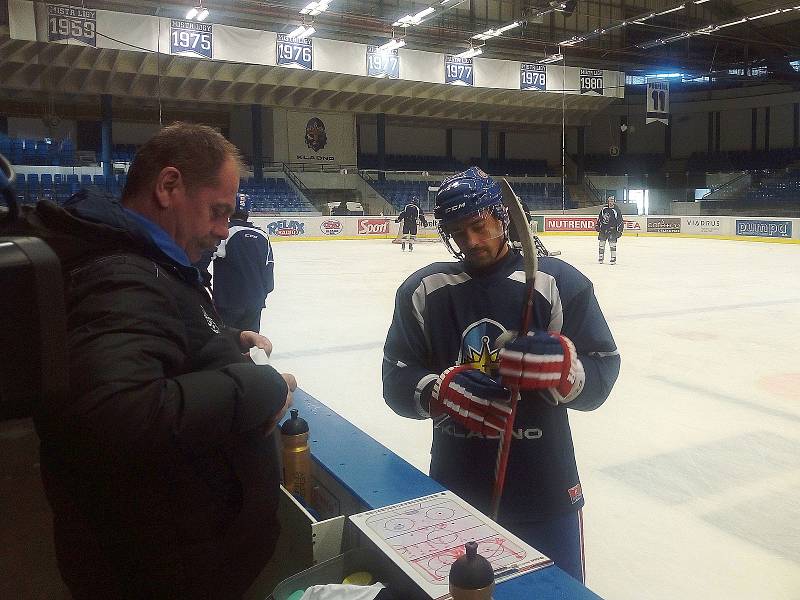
[33,346]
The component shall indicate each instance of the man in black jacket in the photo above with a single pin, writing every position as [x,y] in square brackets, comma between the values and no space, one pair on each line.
[160,468]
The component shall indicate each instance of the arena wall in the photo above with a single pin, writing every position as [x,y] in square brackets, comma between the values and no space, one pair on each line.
[746,229]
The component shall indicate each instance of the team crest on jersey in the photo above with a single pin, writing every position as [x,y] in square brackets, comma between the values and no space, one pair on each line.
[211,322]
[478,346]
[575,493]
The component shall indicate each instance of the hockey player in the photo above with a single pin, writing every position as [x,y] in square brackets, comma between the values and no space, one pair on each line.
[410,215]
[243,271]
[442,361]
[610,226]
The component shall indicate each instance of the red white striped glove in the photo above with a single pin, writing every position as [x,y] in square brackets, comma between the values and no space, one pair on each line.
[543,360]
[472,399]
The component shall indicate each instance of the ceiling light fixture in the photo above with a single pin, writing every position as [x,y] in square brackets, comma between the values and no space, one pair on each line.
[416,19]
[469,53]
[769,14]
[314,8]
[553,58]
[392,44]
[670,10]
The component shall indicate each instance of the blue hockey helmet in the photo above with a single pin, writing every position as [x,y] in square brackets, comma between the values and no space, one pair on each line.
[464,195]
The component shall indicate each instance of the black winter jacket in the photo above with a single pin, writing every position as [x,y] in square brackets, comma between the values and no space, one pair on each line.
[161,482]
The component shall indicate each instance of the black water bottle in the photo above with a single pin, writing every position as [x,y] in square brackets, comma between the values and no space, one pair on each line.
[471,576]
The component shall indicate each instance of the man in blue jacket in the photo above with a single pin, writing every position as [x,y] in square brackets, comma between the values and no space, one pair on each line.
[160,466]
[243,271]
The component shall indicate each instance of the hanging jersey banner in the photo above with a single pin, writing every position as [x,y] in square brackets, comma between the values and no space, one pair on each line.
[66,23]
[532,77]
[458,71]
[657,102]
[383,63]
[189,38]
[591,81]
[294,53]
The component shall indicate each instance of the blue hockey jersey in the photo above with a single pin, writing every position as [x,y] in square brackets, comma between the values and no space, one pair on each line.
[410,214]
[610,220]
[243,267]
[445,315]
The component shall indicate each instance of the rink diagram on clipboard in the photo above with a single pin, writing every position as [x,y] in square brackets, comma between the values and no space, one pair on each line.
[428,535]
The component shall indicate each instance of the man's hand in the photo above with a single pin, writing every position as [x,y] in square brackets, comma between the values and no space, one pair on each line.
[291,382]
[471,398]
[248,339]
[542,360]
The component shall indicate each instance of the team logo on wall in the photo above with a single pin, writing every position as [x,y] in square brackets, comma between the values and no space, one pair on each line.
[71,23]
[286,228]
[591,81]
[316,138]
[331,227]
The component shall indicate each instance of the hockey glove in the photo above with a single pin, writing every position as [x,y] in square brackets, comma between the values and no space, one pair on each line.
[472,399]
[542,360]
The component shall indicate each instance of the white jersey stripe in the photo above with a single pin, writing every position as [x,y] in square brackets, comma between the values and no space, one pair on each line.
[430,284]
[545,284]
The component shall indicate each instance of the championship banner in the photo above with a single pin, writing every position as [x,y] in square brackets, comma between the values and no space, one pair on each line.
[383,63]
[532,77]
[294,53]
[591,81]
[190,38]
[321,138]
[458,71]
[66,24]
[657,102]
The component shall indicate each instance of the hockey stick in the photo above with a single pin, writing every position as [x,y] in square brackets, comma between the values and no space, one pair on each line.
[517,215]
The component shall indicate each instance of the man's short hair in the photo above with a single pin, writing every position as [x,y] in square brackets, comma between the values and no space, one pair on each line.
[197,151]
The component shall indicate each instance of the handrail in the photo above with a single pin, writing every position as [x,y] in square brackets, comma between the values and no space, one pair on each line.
[725,185]
[592,189]
[296,180]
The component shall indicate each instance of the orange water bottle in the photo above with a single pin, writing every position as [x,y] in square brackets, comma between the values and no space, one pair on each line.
[296,456]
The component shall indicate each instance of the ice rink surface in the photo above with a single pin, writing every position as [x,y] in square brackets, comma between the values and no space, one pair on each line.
[691,469]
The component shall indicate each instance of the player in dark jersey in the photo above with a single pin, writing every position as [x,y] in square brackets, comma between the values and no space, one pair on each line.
[610,226]
[243,271]
[410,215]
[442,360]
